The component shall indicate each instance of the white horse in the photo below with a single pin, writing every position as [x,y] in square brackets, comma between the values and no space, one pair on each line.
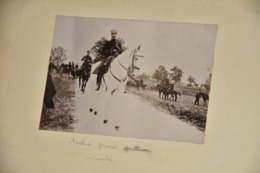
[113,82]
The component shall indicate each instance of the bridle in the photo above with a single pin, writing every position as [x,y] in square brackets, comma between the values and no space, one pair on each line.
[132,66]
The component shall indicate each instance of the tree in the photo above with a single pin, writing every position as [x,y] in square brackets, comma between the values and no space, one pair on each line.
[159,73]
[208,82]
[191,79]
[144,76]
[58,55]
[176,74]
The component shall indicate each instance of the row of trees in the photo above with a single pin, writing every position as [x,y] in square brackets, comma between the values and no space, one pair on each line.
[176,75]
[59,55]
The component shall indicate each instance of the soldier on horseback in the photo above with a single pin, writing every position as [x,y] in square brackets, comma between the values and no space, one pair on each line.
[165,80]
[87,61]
[112,49]
[85,71]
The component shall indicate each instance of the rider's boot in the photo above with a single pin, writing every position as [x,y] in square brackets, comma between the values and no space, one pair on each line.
[98,87]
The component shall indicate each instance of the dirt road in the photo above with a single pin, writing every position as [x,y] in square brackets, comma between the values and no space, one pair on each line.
[130,117]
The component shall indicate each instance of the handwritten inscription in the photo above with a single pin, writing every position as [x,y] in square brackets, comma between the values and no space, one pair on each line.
[81,142]
[105,158]
[136,148]
[106,146]
[103,147]
[100,146]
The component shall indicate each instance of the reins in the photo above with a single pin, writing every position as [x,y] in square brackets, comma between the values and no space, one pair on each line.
[125,77]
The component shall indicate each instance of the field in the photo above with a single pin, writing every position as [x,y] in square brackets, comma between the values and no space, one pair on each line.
[183,108]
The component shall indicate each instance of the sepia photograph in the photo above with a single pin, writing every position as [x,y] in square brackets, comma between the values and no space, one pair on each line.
[129,78]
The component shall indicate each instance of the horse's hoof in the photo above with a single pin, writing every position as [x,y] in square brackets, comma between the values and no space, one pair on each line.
[117,127]
[105,121]
[91,110]
[95,113]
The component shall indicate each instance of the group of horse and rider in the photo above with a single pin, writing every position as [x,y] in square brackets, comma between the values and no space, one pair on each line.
[166,89]
[167,92]
[111,49]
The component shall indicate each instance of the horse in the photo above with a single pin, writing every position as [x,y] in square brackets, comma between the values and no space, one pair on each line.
[164,90]
[161,88]
[84,75]
[137,84]
[143,86]
[205,97]
[74,73]
[114,81]
[174,95]
[65,69]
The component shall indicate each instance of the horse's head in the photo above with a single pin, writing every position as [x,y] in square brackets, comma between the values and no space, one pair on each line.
[135,60]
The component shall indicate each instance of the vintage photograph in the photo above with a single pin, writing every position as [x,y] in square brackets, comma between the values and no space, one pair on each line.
[129,78]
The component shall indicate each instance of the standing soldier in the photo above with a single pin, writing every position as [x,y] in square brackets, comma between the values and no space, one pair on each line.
[197,100]
[72,65]
[77,66]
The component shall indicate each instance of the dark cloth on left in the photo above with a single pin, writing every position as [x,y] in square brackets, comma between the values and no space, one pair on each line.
[50,91]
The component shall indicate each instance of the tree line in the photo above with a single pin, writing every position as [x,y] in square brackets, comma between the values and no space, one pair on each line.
[176,75]
[59,55]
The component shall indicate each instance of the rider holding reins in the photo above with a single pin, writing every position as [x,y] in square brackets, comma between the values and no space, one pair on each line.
[87,61]
[112,49]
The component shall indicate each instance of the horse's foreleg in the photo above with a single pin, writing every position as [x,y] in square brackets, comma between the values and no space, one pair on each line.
[83,85]
[79,81]
[164,96]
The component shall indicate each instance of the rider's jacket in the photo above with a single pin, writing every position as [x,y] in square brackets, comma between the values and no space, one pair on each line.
[112,47]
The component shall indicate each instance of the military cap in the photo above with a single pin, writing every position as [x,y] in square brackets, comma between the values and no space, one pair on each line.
[113,31]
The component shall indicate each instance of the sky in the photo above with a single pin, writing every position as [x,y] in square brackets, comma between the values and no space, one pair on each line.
[188,46]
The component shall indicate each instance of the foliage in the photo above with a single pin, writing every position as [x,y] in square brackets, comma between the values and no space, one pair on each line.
[191,80]
[98,48]
[176,74]
[208,82]
[159,73]
[144,76]
[58,55]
